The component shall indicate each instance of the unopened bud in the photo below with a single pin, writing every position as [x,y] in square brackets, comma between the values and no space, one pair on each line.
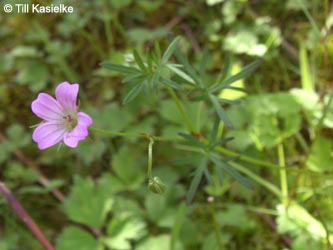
[156,185]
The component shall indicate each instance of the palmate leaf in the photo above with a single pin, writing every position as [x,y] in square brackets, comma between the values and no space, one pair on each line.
[225,71]
[132,93]
[169,51]
[171,83]
[196,180]
[194,159]
[236,88]
[158,51]
[219,173]
[227,101]
[193,141]
[136,78]
[180,73]
[120,68]
[220,111]
[244,72]
[155,79]
[198,94]
[189,69]
[231,171]
[209,177]
[203,63]
[139,61]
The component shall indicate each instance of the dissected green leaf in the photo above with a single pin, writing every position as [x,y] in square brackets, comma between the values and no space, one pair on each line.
[127,168]
[297,221]
[320,158]
[123,229]
[161,242]
[75,238]
[234,216]
[17,136]
[88,202]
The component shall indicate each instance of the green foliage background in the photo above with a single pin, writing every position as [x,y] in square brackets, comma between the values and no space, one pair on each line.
[285,118]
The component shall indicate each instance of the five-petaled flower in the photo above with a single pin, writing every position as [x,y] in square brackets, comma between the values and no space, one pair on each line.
[61,121]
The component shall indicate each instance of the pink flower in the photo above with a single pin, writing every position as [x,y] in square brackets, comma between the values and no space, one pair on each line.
[61,121]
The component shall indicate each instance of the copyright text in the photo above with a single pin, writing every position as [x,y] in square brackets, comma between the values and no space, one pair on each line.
[37,8]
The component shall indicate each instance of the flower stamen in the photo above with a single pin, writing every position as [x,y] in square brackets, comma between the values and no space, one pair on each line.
[69,122]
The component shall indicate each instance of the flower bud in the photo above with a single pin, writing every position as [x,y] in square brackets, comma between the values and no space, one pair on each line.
[156,185]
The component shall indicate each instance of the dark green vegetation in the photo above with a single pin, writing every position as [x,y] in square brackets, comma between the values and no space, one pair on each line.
[243,170]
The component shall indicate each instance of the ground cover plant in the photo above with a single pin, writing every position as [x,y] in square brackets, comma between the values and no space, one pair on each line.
[166,125]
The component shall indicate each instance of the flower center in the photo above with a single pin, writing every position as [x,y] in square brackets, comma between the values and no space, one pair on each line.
[69,121]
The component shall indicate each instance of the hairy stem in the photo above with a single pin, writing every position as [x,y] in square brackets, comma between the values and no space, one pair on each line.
[215,224]
[25,217]
[131,135]
[150,158]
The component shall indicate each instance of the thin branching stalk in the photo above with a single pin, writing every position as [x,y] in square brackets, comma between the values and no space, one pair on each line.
[150,158]
[216,226]
[283,175]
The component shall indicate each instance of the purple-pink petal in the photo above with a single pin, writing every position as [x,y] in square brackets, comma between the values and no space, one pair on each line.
[66,95]
[84,119]
[80,132]
[46,107]
[48,134]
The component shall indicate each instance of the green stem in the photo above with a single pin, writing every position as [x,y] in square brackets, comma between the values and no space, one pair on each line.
[150,158]
[181,109]
[283,175]
[131,135]
[220,149]
[215,224]
[302,142]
